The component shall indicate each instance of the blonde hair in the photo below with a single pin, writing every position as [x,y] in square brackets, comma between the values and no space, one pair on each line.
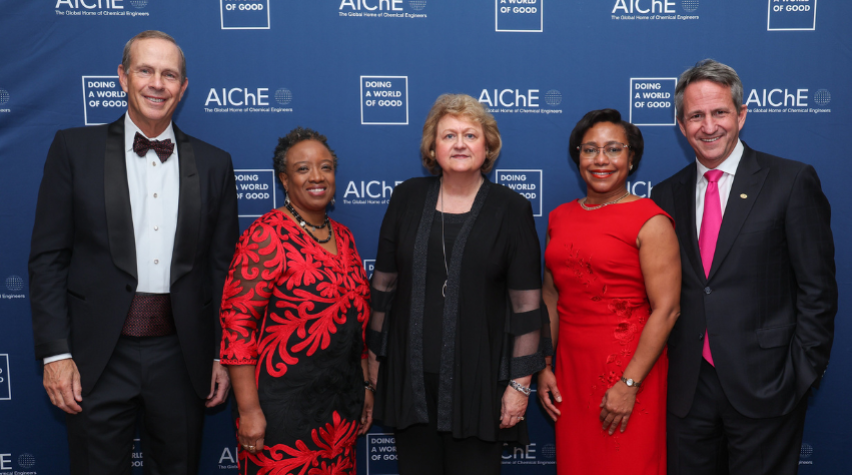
[463,106]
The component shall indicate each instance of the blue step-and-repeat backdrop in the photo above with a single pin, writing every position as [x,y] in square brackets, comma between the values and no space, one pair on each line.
[365,73]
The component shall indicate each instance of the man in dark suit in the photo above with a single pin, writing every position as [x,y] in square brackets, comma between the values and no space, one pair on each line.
[759,293]
[130,249]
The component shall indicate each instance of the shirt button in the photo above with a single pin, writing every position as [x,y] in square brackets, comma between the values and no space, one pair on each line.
[155,195]
[154,164]
[701,336]
[708,290]
[156,261]
[156,228]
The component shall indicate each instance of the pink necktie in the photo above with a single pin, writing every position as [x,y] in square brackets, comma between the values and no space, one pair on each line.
[710,224]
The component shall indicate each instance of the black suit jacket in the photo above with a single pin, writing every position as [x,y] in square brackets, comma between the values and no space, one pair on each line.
[770,299]
[82,262]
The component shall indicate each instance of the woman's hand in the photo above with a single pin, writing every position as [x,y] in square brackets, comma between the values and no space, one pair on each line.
[367,412]
[514,407]
[616,406]
[546,389]
[252,430]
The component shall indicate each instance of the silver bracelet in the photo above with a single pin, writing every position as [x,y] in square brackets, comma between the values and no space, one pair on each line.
[527,391]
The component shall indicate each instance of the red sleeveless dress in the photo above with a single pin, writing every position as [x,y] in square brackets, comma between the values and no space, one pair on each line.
[603,308]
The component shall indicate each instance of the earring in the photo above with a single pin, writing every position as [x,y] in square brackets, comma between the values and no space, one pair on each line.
[432,153]
[333,201]
[286,197]
[631,166]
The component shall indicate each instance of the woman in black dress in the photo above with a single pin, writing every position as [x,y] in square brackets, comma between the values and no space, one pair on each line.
[295,305]
[456,323]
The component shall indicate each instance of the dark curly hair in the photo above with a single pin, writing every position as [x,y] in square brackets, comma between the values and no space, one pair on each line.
[634,135]
[299,134]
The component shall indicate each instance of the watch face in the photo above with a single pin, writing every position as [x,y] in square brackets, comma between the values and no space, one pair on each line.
[630,382]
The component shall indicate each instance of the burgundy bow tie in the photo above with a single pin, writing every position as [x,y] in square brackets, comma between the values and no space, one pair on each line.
[163,148]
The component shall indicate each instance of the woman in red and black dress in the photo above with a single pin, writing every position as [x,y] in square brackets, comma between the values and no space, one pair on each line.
[294,310]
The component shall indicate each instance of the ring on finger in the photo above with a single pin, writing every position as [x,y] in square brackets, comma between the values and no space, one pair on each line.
[520,418]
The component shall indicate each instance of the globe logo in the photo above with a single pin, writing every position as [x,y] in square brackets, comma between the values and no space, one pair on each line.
[4,96]
[807,451]
[283,96]
[14,283]
[821,97]
[553,97]
[26,460]
[690,5]
[417,4]
[548,451]
[138,4]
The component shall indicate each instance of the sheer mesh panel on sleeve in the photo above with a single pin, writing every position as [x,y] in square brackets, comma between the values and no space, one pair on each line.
[382,290]
[525,328]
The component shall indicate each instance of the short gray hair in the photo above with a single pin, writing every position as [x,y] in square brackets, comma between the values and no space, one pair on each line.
[714,71]
[148,34]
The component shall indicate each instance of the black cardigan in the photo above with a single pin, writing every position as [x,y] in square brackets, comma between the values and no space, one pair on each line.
[492,316]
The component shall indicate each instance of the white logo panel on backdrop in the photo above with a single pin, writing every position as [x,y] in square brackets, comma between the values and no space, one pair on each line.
[369,267]
[384,100]
[5,383]
[652,101]
[787,101]
[519,16]
[255,192]
[82,8]
[382,9]
[103,99]
[521,101]
[653,10]
[526,183]
[244,14]
[791,15]
[369,192]
[239,100]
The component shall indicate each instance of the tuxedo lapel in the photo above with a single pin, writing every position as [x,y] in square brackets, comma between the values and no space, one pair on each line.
[122,243]
[685,219]
[189,209]
[747,185]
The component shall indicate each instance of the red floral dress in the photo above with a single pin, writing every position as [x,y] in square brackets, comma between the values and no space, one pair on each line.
[298,313]
[603,307]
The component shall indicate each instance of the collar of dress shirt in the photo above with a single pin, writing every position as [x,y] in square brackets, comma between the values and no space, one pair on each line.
[130,130]
[729,166]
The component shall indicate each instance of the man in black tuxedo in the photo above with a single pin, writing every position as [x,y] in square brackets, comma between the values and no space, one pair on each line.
[759,293]
[132,241]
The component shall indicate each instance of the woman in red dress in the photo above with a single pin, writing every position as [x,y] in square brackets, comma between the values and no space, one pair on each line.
[294,310]
[612,286]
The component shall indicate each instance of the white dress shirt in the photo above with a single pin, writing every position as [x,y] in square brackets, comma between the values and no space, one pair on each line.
[154,189]
[729,167]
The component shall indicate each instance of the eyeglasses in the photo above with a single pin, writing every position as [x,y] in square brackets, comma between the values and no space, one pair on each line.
[612,150]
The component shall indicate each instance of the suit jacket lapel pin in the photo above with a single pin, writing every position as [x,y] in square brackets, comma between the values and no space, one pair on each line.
[743,196]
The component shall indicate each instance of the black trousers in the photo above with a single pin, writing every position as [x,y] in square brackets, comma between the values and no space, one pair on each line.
[422,450]
[716,439]
[145,378]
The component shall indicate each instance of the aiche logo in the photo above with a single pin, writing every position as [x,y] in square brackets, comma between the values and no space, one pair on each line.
[369,192]
[369,267]
[652,101]
[5,384]
[103,99]
[244,14]
[4,99]
[130,8]
[228,459]
[384,100]
[521,101]
[519,16]
[387,9]
[788,101]
[15,286]
[791,15]
[805,453]
[526,182]
[654,10]
[525,455]
[225,100]
[256,192]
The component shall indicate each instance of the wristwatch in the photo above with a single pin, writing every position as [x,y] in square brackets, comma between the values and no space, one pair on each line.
[629,382]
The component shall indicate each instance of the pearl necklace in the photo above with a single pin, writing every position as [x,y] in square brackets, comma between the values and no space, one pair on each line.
[594,207]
